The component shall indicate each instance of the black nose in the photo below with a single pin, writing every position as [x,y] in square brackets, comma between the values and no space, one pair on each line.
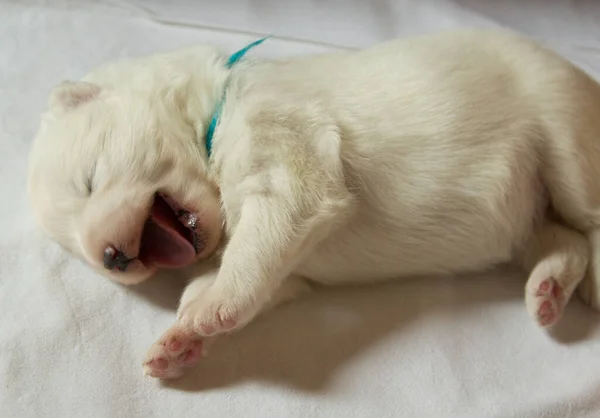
[115,259]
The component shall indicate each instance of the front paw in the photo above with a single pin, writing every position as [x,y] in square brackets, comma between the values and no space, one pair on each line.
[217,311]
[177,349]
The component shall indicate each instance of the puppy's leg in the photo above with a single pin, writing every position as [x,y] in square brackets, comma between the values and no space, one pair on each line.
[269,241]
[292,287]
[557,258]
[575,191]
[181,347]
[571,164]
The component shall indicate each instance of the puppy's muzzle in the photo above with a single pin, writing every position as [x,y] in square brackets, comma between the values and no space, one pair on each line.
[115,259]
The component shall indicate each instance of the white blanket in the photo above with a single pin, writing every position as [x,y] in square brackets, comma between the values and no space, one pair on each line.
[71,342]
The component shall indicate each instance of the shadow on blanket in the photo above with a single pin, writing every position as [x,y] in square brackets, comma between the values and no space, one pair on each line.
[305,343]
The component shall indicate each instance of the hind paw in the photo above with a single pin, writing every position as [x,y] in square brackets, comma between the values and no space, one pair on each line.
[548,302]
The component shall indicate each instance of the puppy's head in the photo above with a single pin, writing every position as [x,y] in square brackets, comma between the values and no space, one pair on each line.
[117,178]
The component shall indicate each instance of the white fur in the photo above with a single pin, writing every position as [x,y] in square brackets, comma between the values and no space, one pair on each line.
[434,155]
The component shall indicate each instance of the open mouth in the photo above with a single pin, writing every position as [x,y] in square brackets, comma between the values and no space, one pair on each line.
[172,236]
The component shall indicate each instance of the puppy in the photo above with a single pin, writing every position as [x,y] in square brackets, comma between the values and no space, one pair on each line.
[440,154]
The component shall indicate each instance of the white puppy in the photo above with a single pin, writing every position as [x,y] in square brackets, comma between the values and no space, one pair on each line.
[439,154]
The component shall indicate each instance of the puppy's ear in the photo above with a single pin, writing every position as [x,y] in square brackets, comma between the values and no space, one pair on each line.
[70,94]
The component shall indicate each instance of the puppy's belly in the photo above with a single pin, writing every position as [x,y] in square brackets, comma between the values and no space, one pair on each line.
[462,233]
[363,255]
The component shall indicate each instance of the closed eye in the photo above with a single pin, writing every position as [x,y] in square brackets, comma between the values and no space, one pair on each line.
[89,180]
[89,186]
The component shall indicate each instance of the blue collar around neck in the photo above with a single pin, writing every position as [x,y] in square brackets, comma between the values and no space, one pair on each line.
[231,61]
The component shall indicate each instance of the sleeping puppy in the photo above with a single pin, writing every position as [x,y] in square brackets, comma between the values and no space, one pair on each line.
[441,154]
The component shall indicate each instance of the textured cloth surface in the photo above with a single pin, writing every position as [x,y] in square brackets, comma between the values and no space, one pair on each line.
[71,342]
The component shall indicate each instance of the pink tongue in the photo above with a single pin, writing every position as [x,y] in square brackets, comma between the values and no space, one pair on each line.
[164,241]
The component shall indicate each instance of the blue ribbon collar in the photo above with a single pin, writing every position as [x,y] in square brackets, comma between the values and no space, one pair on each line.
[231,61]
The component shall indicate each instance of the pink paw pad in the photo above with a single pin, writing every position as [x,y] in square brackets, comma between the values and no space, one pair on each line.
[158,363]
[221,323]
[171,354]
[192,355]
[175,345]
[208,329]
[227,322]
[549,295]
